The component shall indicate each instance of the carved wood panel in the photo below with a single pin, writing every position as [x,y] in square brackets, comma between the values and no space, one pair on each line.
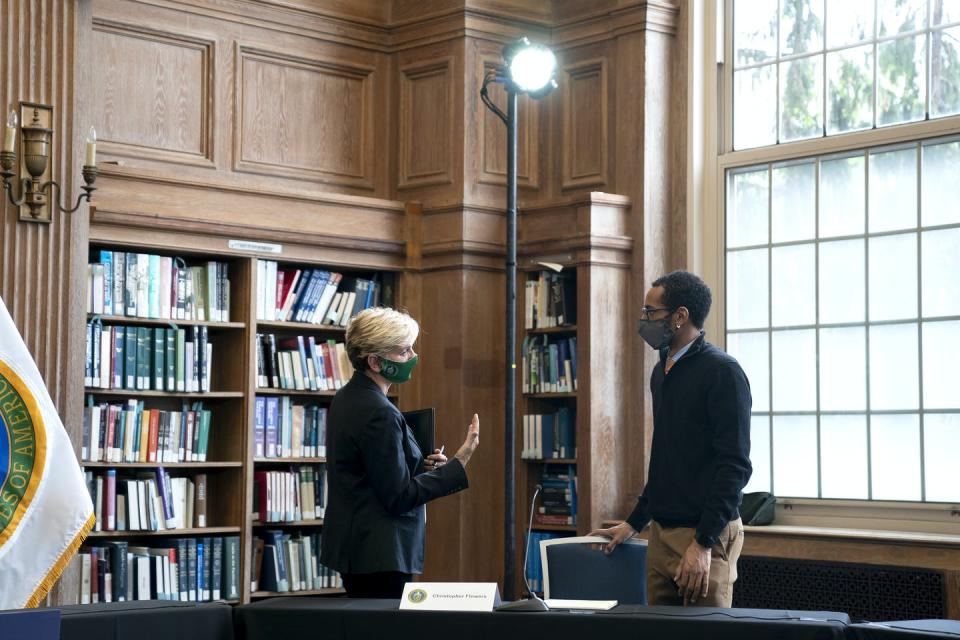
[303,118]
[493,136]
[585,129]
[426,122]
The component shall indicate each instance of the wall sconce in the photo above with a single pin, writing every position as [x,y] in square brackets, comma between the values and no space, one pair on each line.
[33,193]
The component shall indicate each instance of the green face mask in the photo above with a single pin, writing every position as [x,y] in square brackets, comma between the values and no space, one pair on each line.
[397,372]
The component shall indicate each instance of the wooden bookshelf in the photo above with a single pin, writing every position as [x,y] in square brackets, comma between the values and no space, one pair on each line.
[129,393]
[257,595]
[568,528]
[287,461]
[272,325]
[162,322]
[293,523]
[165,465]
[175,533]
[567,328]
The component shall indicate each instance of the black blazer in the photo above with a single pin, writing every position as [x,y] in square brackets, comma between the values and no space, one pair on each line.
[375,518]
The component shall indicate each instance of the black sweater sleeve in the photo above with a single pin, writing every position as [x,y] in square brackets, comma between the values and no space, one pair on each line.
[728,408]
[381,445]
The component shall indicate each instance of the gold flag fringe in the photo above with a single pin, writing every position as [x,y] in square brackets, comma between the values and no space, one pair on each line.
[57,569]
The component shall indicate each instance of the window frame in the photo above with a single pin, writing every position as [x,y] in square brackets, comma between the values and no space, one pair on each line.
[710,156]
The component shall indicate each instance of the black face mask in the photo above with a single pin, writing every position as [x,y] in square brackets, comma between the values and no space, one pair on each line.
[657,333]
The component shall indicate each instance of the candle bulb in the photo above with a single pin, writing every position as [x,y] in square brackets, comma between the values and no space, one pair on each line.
[91,159]
[10,135]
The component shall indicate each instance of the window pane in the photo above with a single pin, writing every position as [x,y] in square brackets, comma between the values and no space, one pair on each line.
[842,281]
[794,202]
[795,456]
[794,376]
[898,16]
[894,370]
[945,72]
[843,456]
[752,351]
[939,202]
[850,89]
[895,457]
[759,454]
[940,252]
[793,284]
[901,80]
[946,11]
[893,277]
[801,99]
[754,107]
[893,190]
[849,21]
[747,209]
[747,300]
[941,446]
[941,353]
[843,197]
[754,30]
[801,26]
[843,369]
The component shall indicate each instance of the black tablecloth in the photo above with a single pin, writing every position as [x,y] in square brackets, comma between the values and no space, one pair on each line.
[345,619]
[147,620]
[904,629]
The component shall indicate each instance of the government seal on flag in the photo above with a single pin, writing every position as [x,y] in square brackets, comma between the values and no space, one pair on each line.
[45,509]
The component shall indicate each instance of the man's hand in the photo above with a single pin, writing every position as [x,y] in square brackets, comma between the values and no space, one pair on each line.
[693,574]
[617,534]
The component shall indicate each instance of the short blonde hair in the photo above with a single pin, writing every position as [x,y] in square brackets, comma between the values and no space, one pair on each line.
[378,331]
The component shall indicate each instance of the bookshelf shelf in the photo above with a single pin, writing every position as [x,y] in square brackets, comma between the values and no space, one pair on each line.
[569,328]
[165,465]
[289,460]
[210,395]
[551,460]
[295,392]
[300,326]
[160,322]
[555,527]
[308,592]
[195,531]
[545,396]
[289,523]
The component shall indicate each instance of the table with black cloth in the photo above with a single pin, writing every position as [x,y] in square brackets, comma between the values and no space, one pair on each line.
[147,620]
[906,629]
[345,619]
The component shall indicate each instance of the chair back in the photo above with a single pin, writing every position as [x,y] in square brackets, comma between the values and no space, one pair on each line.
[577,569]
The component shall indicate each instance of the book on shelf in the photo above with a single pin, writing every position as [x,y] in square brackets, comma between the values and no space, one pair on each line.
[549,364]
[291,563]
[132,358]
[290,496]
[147,501]
[129,432]
[283,428]
[550,435]
[140,285]
[299,363]
[313,296]
[177,569]
[558,498]
[550,300]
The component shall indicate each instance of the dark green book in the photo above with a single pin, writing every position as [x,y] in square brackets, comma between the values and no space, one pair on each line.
[231,568]
[159,351]
[118,567]
[143,358]
[130,358]
[170,359]
[216,568]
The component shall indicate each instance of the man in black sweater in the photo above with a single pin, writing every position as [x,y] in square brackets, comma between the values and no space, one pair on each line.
[700,458]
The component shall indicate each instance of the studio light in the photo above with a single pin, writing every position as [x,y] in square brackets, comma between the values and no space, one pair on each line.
[532,68]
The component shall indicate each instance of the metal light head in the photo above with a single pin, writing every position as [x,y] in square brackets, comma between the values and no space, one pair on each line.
[531,68]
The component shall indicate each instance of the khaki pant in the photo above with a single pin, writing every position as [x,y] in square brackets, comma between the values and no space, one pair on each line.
[665,550]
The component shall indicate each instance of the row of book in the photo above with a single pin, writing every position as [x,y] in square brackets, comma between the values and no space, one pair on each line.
[290,496]
[284,562]
[551,300]
[313,296]
[285,429]
[301,363]
[182,569]
[549,364]
[147,501]
[148,358]
[127,432]
[140,285]
[534,573]
[558,498]
[550,435]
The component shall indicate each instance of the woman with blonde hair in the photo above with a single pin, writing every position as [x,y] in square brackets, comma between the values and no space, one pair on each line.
[378,479]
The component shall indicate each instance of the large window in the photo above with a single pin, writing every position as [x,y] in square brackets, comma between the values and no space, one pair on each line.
[808,68]
[842,266]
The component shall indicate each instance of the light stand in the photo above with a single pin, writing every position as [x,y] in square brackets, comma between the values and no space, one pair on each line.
[529,69]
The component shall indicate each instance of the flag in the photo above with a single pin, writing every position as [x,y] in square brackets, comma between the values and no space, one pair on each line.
[45,508]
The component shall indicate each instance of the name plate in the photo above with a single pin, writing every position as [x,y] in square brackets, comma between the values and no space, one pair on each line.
[258,247]
[450,596]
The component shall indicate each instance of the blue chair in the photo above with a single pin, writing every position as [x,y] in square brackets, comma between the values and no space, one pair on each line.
[577,569]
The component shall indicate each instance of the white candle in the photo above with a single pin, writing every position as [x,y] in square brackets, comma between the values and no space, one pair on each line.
[10,135]
[91,160]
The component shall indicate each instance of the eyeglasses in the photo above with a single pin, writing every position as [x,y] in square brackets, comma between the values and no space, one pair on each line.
[646,311]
